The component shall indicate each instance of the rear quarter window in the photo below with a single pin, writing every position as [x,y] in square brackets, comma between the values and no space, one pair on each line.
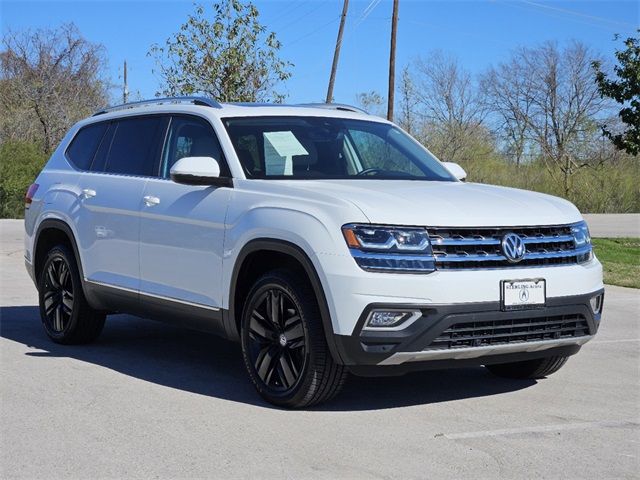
[84,145]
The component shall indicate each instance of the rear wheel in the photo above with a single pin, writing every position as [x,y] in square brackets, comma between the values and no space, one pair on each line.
[538,368]
[283,343]
[66,316]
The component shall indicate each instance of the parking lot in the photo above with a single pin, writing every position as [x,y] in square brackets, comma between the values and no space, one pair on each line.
[153,401]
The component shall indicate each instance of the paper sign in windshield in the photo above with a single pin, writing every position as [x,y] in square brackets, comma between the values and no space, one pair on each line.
[279,148]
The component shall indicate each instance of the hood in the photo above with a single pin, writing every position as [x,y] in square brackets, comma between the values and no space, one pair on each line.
[451,204]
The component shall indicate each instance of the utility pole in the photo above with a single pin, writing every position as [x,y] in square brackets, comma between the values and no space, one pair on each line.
[125,89]
[392,61]
[336,53]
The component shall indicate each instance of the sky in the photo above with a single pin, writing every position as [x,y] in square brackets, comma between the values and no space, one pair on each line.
[479,33]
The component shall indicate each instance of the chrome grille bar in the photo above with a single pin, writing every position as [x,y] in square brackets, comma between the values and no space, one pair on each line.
[528,256]
[462,247]
[496,241]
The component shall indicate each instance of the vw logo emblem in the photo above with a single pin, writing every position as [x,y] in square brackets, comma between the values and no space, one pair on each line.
[513,247]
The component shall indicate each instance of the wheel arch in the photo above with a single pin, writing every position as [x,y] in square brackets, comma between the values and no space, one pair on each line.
[52,232]
[264,247]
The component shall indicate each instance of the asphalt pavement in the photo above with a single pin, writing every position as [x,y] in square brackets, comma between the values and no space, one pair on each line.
[153,401]
[613,224]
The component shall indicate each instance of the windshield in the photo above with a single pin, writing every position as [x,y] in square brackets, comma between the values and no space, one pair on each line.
[329,148]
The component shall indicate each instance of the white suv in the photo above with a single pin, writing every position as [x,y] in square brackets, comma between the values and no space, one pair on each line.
[323,239]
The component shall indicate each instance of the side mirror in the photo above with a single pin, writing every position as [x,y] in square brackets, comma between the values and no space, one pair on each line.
[196,171]
[456,170]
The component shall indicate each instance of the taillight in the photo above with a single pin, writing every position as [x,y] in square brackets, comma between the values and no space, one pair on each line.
[31,191]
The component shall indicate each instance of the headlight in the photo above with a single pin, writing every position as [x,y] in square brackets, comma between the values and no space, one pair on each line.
[582,241]
[391,249]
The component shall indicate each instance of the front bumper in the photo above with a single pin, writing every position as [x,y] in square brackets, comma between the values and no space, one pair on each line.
[471,334]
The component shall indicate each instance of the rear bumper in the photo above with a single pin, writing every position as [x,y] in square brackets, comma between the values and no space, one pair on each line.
[471,334]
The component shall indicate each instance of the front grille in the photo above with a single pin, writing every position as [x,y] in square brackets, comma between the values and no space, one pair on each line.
[520,330]
[464,248]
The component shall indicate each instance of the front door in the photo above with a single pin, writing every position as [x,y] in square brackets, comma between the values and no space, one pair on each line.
[182,226]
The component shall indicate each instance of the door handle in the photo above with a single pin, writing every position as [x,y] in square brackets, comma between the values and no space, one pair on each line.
[151,201]
[88,193]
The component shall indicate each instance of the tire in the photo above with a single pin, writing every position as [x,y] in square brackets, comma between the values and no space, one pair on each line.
[283,343]
[529,369]
[66,316]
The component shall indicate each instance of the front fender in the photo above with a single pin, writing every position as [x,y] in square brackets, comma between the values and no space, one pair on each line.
[302,232]
[302,229]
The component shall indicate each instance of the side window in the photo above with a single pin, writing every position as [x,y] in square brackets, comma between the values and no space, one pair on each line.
[100,158]
[248,151]
[84,145]
[134,146]
[191,137]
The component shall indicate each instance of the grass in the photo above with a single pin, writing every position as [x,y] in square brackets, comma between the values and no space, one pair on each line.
[620,258]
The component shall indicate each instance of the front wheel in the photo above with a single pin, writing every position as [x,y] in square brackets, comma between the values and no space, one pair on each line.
[283,343]
[529,369]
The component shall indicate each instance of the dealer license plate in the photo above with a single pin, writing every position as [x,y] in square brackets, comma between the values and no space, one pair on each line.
[523,294]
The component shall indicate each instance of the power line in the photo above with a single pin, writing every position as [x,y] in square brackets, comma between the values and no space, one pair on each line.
[287,12]
[308,34]
[313,10]
[528,8]
[366,12]
[577,14]
[457,31]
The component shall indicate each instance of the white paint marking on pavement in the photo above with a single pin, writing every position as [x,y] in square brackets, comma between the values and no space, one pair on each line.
[541,429]
[617,341]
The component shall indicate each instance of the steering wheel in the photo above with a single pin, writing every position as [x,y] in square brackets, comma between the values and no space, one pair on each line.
[369,171]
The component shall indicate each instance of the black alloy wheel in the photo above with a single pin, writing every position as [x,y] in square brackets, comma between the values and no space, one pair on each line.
[284,343]
[66,315]
[57,295]
[277,340]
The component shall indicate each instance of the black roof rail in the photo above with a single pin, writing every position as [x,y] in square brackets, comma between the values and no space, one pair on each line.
[205,101]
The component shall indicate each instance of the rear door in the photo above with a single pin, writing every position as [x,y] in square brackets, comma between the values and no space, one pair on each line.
[182,226]
[108,215]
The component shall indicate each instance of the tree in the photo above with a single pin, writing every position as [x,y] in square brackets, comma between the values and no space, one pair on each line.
[230,58]
[408,102]
[564,105]
[372,102]
[449,103]
[20,163]
[547,96]
[49,79]
[625,91]
[508,95]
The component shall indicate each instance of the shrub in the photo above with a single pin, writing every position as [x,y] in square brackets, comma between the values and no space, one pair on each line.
[607,188]
[20,163]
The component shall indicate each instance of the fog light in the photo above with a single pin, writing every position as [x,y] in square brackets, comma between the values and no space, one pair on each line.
[391,319]
[596,303]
